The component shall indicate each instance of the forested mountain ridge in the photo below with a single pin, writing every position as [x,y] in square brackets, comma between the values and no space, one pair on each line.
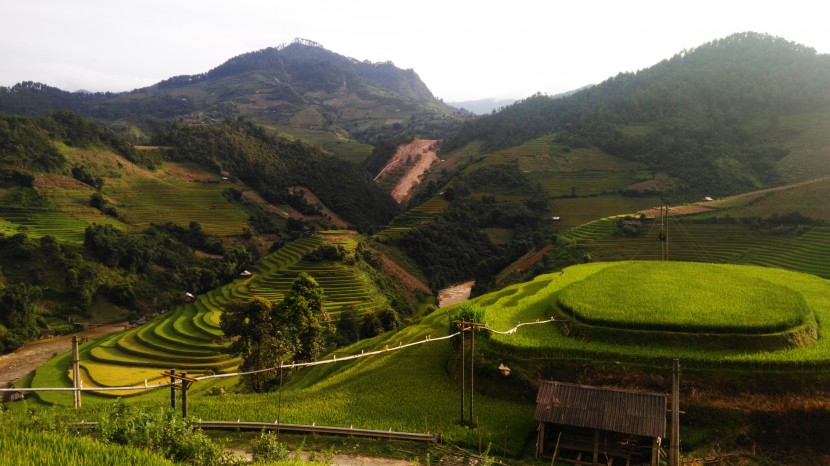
[715,118]
[301,85]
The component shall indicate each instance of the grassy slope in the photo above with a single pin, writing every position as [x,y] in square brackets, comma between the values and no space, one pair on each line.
[173,192]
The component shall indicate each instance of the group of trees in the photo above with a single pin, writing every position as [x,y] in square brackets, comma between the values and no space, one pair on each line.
[266,333]
[454,247]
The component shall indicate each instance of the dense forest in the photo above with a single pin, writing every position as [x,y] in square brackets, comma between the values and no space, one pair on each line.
[708,116]
[455,247]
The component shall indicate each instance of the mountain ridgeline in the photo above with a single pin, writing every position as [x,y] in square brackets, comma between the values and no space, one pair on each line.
[300,85]
[712,117]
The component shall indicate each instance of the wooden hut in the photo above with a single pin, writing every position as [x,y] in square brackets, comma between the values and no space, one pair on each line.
[584,425]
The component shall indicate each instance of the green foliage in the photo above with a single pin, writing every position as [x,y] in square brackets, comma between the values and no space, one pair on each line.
[18,313]
[162,431]
[302,318]
[81,174]
[271,165]
[266,334]
[713,113]
[25,447]
[455,248]
[258,339]
[266,447]
[25,141]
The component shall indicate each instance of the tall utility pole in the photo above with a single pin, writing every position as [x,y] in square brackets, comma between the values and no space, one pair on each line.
[674,448]
[463,369]
[472,327]
[76,373]
[664,232]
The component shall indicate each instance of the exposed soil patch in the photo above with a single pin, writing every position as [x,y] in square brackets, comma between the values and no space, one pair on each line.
[418,156]
[536,257]
[399,274]
[455,294]
[687,209]
[31,355]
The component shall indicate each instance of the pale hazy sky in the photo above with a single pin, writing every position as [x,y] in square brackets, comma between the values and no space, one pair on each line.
[462,49]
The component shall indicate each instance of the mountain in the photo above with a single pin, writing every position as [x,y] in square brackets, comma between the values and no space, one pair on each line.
[300,86]
[729,116]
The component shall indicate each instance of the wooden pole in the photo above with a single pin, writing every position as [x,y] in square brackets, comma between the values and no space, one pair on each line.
[674,449]
[76,373]
[472,369]
[463,372]
[279,403]
[173,388]
[185,385]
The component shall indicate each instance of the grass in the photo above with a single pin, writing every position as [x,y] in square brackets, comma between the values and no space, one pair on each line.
[535,302]
[686,297]
[25,447]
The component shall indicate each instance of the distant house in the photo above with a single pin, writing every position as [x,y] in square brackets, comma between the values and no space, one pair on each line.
[707,199]
[245,274]
[586,425]
[189,297]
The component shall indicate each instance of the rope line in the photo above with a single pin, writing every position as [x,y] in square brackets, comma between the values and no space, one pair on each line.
[293,365]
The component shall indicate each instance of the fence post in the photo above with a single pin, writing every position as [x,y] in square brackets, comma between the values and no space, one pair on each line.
[173,388]
[185,385]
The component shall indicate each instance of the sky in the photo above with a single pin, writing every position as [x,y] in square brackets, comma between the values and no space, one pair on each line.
[461,49]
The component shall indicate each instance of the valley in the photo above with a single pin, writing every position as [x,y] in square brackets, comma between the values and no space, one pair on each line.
[356,223]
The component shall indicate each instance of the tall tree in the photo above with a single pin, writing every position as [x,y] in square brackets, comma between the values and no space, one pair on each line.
[303,319]
[266,333]
[258,340]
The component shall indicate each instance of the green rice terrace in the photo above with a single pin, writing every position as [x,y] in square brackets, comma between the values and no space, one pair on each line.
[712,316]
[188,336]
[367,392]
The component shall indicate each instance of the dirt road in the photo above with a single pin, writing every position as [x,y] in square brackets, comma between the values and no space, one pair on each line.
[27,358]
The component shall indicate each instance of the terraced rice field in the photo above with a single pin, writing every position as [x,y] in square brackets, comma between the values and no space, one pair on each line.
[425,212]
[146,201]
[38,223]
[700,242]
[188,337]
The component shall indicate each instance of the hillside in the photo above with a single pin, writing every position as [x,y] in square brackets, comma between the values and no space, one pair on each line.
[301,88]
[95,230]
[737,114]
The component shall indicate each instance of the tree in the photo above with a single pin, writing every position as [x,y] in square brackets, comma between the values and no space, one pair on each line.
[302,317]
[266,333]
[257,340]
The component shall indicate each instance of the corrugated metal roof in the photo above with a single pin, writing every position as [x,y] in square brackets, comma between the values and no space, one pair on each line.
[625,411]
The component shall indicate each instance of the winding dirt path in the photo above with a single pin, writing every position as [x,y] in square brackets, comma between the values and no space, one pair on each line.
[14,366]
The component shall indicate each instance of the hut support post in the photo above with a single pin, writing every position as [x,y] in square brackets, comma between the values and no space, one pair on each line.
[655,451]
[556,449]
[540,440]
[595,459]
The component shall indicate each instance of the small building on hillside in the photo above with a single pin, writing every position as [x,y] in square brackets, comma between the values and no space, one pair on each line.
[588,425]
[245,274]
[189,297]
